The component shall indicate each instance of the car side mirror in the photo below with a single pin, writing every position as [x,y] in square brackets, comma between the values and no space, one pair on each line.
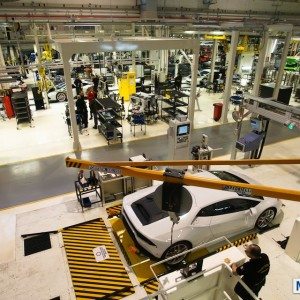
[253,211]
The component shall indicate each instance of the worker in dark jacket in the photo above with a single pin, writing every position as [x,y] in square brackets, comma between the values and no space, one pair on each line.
[96,83]
[94,111]
[254,272]
[178,81]
[78,85]
[82,109]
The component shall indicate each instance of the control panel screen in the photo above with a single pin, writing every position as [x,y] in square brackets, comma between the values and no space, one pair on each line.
[183,129]
[256,124]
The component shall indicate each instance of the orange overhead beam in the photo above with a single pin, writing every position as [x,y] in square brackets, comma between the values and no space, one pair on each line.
[151,163]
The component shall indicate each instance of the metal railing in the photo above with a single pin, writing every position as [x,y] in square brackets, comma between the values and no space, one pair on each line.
[163,291]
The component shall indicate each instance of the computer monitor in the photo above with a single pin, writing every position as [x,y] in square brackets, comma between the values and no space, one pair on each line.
[256,124]
[183,129]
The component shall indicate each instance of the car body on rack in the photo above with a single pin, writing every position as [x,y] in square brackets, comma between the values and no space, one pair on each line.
[203,77]
[59,92]
[205,214]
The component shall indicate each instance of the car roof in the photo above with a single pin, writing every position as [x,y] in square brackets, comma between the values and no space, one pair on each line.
[204,196]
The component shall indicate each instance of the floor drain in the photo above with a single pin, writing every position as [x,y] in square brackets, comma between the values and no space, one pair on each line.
[37,243]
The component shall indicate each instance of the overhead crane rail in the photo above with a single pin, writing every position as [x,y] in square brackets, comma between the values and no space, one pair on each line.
[272,110]
[128,168]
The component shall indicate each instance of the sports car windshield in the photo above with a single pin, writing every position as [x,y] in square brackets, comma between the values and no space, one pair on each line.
[61,86]
[148,209]
[223,175]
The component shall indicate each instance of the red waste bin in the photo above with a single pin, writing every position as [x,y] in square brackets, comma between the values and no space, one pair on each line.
[218,111]
[8,107]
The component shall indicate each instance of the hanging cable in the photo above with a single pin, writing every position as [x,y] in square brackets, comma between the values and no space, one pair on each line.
[172,228]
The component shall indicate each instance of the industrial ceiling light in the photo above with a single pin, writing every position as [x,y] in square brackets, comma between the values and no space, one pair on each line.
[5,24]
[211,25]
[190,32]
[216,32]
[86,24]
[232,25]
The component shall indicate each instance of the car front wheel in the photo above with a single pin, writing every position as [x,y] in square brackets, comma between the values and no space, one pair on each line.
[175,249]
[265,218]
[61,97]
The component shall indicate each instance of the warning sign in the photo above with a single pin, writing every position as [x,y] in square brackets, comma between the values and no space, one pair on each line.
[100,253]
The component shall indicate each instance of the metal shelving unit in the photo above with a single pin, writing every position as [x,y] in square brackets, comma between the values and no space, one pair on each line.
[92,194]
[109,125]
[174,107]
[21,107]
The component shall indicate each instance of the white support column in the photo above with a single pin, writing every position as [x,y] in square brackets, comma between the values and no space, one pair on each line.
[193,85]
[133,52]
[12,55]
[229,74]
[176,69]
[261,63]
[167,34]
[71,103]
[2,64]
[37,44]
[2,60]
[282,64]
[213,61]
[49,32]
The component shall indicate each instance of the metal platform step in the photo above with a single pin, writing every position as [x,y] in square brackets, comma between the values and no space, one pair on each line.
[106,279]
[114,211]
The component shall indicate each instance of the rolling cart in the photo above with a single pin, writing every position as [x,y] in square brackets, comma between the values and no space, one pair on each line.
[88,194]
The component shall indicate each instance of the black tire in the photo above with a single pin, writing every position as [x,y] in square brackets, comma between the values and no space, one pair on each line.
[174,249]
[265,218]
[61,97]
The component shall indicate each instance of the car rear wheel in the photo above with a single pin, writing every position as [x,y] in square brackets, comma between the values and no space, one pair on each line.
[61,96]
[265,218]
[175,249]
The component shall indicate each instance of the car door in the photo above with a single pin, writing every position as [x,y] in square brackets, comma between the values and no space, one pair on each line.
[200,227]
[231,216]
[244,205]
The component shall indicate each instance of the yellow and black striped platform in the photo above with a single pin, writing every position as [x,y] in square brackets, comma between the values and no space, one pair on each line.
[107,279]
[114,211]
[240,241]
[151,286]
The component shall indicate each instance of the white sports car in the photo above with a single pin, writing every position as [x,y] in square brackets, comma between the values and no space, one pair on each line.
[203,77]
[205,214]
[59,92]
